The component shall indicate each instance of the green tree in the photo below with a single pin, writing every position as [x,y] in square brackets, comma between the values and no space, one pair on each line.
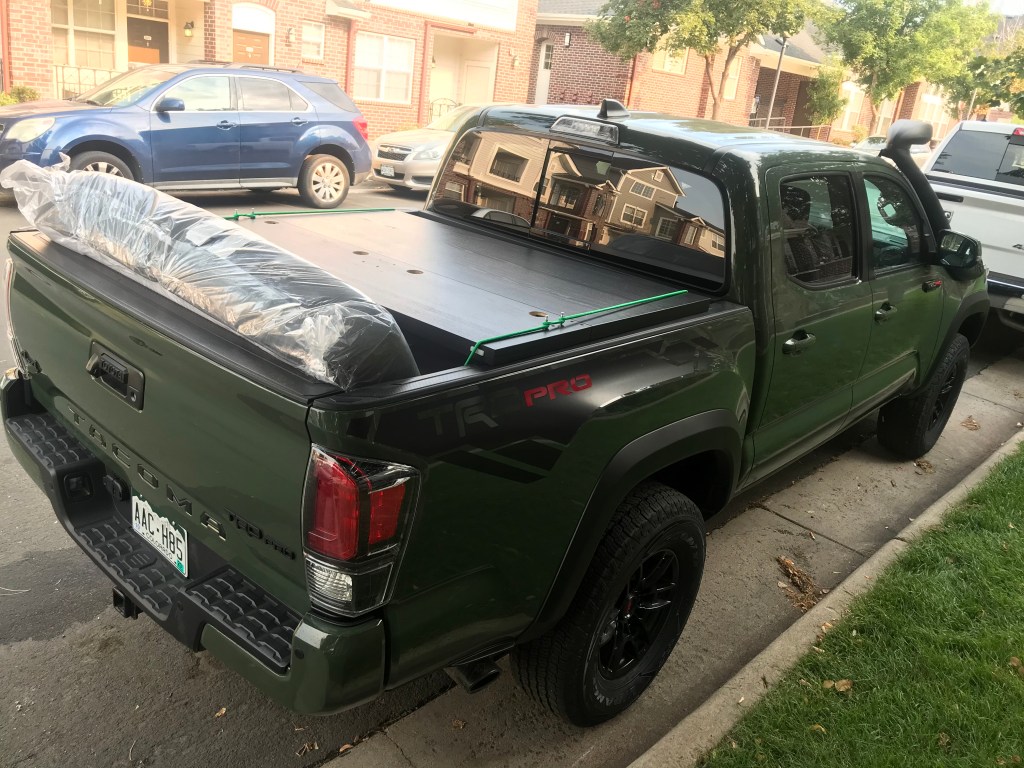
[890,44]
[978,84]
[629,27]
[825,101]
[1007,82]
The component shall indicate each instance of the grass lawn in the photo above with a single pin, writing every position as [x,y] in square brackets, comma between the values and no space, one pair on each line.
[925,670]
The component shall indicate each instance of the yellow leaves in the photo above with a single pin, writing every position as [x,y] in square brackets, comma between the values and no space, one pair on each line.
[827,684]
[970,423]
[221,712]
[818,728]
[943,739]
[844,686]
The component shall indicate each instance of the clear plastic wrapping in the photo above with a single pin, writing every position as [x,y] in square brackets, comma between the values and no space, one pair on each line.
[282,303]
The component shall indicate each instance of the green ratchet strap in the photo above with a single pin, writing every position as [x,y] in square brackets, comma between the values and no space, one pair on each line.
[253,215]
[562,319]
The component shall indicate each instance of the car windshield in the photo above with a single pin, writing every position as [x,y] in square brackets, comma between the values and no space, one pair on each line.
[451,120]
[129,87]
[874,141]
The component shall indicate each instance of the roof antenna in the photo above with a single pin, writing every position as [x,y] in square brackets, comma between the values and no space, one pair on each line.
[612,110]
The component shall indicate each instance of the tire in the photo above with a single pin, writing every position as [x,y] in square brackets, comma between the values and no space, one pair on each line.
[101,162]
[604,653]
[909,427]
[323,181]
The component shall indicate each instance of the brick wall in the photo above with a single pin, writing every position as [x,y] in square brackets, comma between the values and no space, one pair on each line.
[583,72]
[786,95]
[668,92]
[31,45]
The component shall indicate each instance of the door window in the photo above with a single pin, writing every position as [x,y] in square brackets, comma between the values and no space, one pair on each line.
[895,226]
[817,224]
[203,94]
[261,95]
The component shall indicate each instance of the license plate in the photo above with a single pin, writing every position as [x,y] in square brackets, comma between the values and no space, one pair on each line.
[169,539]
[387,170]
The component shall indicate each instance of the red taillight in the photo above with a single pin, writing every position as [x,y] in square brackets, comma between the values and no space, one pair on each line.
[385,506]
[362,127]
[334,529]
[1018,131]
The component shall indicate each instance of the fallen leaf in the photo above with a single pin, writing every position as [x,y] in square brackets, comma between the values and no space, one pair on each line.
[298,728]
[844,686]
[826,684]
[925,466]
[811,534]
[782,585]
[970,423]
[742,699]
[1014,661]
[943,739]
[221,712]
[1011,525]
[733,744]
[804,682]
[344,748]
[819,728]
[816,649]
[1016,759]
[458,724]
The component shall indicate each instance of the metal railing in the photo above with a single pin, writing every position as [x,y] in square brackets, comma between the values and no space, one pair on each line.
[72,81]
[820,132]
[439,107]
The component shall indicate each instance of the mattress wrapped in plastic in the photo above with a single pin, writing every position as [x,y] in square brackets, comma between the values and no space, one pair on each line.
[282,303]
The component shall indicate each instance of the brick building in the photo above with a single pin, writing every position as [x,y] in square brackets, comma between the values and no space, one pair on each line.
[400,63]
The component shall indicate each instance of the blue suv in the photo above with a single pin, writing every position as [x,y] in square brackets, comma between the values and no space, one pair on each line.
[206,125]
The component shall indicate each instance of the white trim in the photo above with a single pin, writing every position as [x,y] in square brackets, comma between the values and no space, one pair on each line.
[383,68]
[564,19]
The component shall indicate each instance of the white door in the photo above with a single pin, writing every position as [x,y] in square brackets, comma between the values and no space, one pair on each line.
[477,82]
[540,95]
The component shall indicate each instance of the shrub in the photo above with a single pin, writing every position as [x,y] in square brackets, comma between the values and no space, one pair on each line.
[22,93]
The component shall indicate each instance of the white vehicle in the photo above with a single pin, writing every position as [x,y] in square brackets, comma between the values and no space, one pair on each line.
[978,174]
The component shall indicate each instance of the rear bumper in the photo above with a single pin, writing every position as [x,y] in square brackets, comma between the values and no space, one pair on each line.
[306,663]
[411,174]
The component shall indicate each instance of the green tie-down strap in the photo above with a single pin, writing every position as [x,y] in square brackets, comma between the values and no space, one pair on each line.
[260,214]
[563,318]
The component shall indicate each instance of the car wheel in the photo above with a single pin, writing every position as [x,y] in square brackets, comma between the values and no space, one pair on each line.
[909,427]
[627,615]
[323,181]
[101,162]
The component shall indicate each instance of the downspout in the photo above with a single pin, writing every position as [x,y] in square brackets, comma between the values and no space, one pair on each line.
[5,33]
[350,58]
[629,85]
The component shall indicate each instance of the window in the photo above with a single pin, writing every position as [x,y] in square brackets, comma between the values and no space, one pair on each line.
[717,241]
[565,196]
[1011,169]
[312,41]
[973,153]
[732,82]
[644,190]
[549,51]
[331,92]
[854,102]
[454,191]
[667,229]
[670,61]
[598,209]
[895,226]
[83,33]
[818,229]
[383,67]
[210,93]
[508,166]
[264,95]
[154,9]
[633,215]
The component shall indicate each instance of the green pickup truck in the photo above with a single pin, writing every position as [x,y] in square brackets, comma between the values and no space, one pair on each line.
[601,327]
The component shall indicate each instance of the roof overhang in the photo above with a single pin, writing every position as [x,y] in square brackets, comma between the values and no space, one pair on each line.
[345,9]
[790,64]
[565,19]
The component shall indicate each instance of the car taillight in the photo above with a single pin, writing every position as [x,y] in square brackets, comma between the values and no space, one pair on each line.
[19,359]
[355,513]
[362,126]
[1018,131]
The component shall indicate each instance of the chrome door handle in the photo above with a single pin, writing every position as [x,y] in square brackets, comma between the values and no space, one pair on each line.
[884,312]
[800,341]
[298,121]
[226,124]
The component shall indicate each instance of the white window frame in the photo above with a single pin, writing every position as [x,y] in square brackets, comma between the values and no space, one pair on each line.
[70,28]
[854,95]
[717,241]
[318,38]
[385,39]
[732,82]
[643,188]
[636,213]
[672,62]
[666,235]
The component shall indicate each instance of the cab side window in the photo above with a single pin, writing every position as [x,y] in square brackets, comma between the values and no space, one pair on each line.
[818,231]
[896,229]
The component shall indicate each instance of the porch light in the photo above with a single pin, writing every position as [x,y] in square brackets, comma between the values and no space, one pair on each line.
[189,28]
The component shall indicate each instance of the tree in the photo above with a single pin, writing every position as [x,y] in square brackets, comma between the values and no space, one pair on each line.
[980,82]
[889,44]
[629,27]
[825,102]
[1007,81]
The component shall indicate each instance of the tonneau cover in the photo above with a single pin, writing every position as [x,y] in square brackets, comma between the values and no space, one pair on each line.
[293,309]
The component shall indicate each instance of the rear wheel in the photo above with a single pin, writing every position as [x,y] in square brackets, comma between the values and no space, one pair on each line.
[101,162]
[628,614]
[323,181]
[909,427]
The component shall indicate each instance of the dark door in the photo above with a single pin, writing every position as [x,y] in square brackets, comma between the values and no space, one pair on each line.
[201,143]
[147,41]
[273,119]
[908,294]
[822,315]
[250,47]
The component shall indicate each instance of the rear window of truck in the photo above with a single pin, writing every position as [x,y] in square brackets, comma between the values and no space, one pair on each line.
[598,201]
[983,155]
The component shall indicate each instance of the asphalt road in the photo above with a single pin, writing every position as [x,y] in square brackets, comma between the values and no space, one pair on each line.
[81,686]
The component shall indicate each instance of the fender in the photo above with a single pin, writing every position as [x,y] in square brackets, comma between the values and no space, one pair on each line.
[716,430]
[977,303]
[108,133]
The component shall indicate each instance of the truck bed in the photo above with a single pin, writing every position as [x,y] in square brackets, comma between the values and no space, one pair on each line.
[450,286]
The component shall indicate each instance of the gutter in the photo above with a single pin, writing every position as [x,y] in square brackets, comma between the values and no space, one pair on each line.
[565,19]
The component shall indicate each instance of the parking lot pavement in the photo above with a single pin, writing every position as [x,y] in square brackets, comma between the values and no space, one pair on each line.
[82,686]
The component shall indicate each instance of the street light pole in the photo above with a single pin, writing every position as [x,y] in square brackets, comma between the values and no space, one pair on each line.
[778,72]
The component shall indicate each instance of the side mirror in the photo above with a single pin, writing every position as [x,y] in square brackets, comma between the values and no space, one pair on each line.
[961,256]
[170,104]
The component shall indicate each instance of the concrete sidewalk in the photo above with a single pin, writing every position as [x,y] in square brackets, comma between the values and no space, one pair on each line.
[829,522]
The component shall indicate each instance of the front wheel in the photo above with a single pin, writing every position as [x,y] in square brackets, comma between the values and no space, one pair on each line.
[909,427]
[627,615]
[101,162]
[323,181]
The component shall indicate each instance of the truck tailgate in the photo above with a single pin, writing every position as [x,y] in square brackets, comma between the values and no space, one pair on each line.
[182,420]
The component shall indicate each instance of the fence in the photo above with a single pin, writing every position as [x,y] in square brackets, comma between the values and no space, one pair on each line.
[74,81]
[819,132]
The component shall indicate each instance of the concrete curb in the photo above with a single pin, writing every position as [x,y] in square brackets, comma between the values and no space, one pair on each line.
[700,731]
